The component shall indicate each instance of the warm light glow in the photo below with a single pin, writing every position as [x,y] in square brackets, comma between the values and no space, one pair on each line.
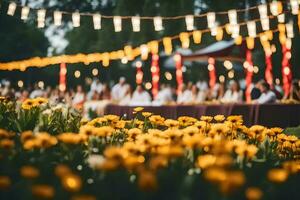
[277,81]
[214,31]
[251,26]
[124,60]
[158,24]
[197,35]
[76,19]
[286,70]
[185,40]
[232,15]
[168,76]
[41,14]
[189,21]
[219,35]
[167,42]
[265,23]
[138,64]
[255,69]
[77,74]
[117,23]
[222,79]
[276,7]
[250,42]
[97,21]
[136,23]
[263,11]
[211,19]
[20,83]
[12,8]
[57,18]
[235,30]
[95,72]
[148,85]
[144,51]
[25,13]
[294,7]
[238,40]
[281,18]
[228,65]
[289,30]
[231,74]
[210,67]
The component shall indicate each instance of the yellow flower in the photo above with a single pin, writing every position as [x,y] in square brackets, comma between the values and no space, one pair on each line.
[4,134]
[219,129]
[147,114]
[190,130]
[186,121]
[62,170]
[171,123]
[112,118]
[157,119]
[28,104]
[133,133]
[29,172]
[258,131]
[71,138]
[138,109]
[277,130]
[103,131]
[277,175]
[83,197]
[7,144]
[120,124]
[235,119]
[40,100]
[253,193]
[5,182]
[219,118]
[248,151]
[26,135]
[43,191]
[71,182]
[206,118]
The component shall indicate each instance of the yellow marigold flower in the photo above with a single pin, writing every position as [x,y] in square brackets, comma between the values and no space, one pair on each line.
[40,100]
[26,135]
[186,121]
[83,121]
[134,132]
[235,119]
[147,114]
[147,181]
[277,130]
[234,180]
[133,161]
[5,182]
[170,151]
[248,151]
[138,109]
[70,138]
[219,118]
[171,123]
[7,144]
[277,175]
[253,193]
[4,134]
[157,119]
[219,129]
[206,118]
[62,170]
[215,174]
[158,162]
[31,144]
[113,152]
[46,140]
[205,161]
[292,167]
[103,131]
[83,197]
[43,191]
[120,124]
[190,130]
[29,172]
[71,182]
[112,118]
[87,130]
[174,134]
[28,104]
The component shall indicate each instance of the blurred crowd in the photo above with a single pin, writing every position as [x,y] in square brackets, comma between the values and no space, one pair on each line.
[123,93]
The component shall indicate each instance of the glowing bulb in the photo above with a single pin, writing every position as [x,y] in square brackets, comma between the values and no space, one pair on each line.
[289,30]
[124,60]
[228,65]
[277,81]
[41,14]
[117,23]
[197,35]
[235,30]
[232,15]
[95,72]
[77,74]
[263,11]
[25,13]
[185,40]
[231,74]
[138,64]
[97,21]
[12,8]
[148,85]
[144,51]
[251,26]
[286,70]
[250,42]
[294,6]
[255,69]
[167,42]
[275,7]
[211,19]
[281,18]
[57,18]
[20,83]
[210,67]
[168,76]
[222,79]
[158,24]
[136,22]
[76,19]
[189,21]
[265,24]
[219,35]
[214,31]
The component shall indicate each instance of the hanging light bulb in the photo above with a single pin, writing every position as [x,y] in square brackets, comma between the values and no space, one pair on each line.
[211,19]
[235,30]
[238,40]
[263,11]
[185,40]
[232,16]
[158,23]
[57,15]
[97,21]
[265,24]
[213,31]
[167,42]
[219,35]
[41,14]
[153,46]
[197,35]
[289,30]
[76,19]
[294,7]
[250,42]
[136,23]
[281,18]
[25,13]
[144,51]
[12,8]
[251,26]
[189,21]
[117,23]
[276,7]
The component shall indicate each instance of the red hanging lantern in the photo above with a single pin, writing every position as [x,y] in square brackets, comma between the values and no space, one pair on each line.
[155,74]
[62,77]
[212,72]
[249,74]
[179,74]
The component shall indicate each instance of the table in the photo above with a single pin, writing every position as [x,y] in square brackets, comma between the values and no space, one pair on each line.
[270,115]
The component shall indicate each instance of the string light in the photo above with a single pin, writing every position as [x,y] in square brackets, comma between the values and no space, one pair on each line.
[97,21]
[167,42]
[144,51]
[211,20]
[158,23]
[250,42]
[197,35]
[117,23]
[136,22]
[281,18]
[76,19]
[214,31]
[263,11]
[294,7]
[189,21]
[25,13]
[12,8]
[41,14]
[276,7]
[57,15]
[232,15]
[289,30]
[77,74]
[20,83]
[219,35]
[95,72]
[251,26]
[265,24]
[185,40]
[235,30]
[238,40]
[153,46]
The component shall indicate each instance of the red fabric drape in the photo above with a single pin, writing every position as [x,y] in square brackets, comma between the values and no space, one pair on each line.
[286,69]
[155,74]
[179,75]
[249,74]
[62,77]
[212,72]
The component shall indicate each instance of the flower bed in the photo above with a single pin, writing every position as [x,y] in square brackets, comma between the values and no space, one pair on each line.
[50,152]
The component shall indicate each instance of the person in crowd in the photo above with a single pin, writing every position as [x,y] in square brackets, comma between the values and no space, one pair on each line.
[119,90]
[186,96]
[37,92]
[233,94]
[105,93]
[96,87]
[294,93]
[267,95]
[140,97]
[127,98]
[79,97]
[255,92]
[164,95]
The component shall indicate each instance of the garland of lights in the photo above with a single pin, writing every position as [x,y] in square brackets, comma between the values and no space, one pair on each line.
[143,50]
